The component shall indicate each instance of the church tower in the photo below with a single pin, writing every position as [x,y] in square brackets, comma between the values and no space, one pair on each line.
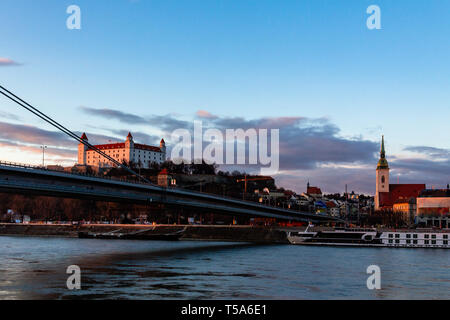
[382,176]
[82,150]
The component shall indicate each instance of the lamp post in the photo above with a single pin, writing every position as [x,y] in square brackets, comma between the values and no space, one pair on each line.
[43,155]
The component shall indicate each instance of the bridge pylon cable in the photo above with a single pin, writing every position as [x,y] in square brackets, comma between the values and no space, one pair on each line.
[60,127]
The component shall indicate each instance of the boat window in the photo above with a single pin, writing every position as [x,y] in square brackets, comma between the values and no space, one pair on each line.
[397,235]
[427,241]
[397,241]
[433,236]
[391,235]
[445,236]
[408,236]
[433,241]
[415,241]
[408,241]
[445,241]
[427,236]
[415,236]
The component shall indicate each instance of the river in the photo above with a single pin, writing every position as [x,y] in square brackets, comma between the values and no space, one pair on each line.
[35,268]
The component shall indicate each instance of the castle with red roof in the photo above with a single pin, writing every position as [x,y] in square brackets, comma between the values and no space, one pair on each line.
[140,154]
[388,194]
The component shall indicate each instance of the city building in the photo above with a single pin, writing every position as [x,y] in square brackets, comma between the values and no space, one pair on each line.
[386,194]
[433,208]
[407,209]
[165,179]
[333,208]
[141,155]
[314,192]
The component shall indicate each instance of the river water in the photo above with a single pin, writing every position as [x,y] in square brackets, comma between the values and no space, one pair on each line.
[35,268]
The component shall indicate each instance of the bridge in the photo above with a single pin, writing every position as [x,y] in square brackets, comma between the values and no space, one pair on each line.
[26,179]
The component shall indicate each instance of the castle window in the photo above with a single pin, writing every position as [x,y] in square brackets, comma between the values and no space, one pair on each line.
[383,179]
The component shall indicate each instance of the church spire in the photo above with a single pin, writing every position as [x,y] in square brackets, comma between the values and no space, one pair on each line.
[382,163]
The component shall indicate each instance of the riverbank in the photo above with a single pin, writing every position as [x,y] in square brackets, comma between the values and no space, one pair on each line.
[191,232]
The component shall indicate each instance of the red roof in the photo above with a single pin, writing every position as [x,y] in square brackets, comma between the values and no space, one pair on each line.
[146,147]
[313,190]
[129,135]
[84,136]
[331,204]
[289,193]
[121,145]
[164,171]
[162,141]
[400,193]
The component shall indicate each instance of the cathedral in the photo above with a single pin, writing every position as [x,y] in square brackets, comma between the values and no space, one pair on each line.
[388,194]
[141,154]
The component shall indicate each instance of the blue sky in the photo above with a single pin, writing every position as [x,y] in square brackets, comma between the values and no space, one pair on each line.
[248,59]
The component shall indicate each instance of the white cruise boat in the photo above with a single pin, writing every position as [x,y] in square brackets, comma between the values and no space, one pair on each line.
[372,238]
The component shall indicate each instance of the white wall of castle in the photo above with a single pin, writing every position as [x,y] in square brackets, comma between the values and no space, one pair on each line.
[129,153]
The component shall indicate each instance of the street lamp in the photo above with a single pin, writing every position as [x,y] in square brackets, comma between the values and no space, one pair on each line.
[43,155]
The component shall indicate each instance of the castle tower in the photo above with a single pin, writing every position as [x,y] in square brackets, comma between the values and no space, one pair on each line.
[382,184]
[129,148]
[82,150]
[162,146]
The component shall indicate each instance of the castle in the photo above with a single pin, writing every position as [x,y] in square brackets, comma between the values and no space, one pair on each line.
[388,194]
[140,154]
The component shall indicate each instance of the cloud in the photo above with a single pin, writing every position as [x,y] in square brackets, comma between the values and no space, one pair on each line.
[33,135]
[9,116]
[306,143]
[205,114]
[166,123]
[431,151]
[114,114]
[49,151]
[5,62]
[139,137]
[424,167]
[94,138]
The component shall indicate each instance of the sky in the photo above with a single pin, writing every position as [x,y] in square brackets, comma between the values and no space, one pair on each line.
[310,68]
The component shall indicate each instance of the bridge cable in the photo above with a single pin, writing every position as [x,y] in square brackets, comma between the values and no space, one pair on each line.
[60,127]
